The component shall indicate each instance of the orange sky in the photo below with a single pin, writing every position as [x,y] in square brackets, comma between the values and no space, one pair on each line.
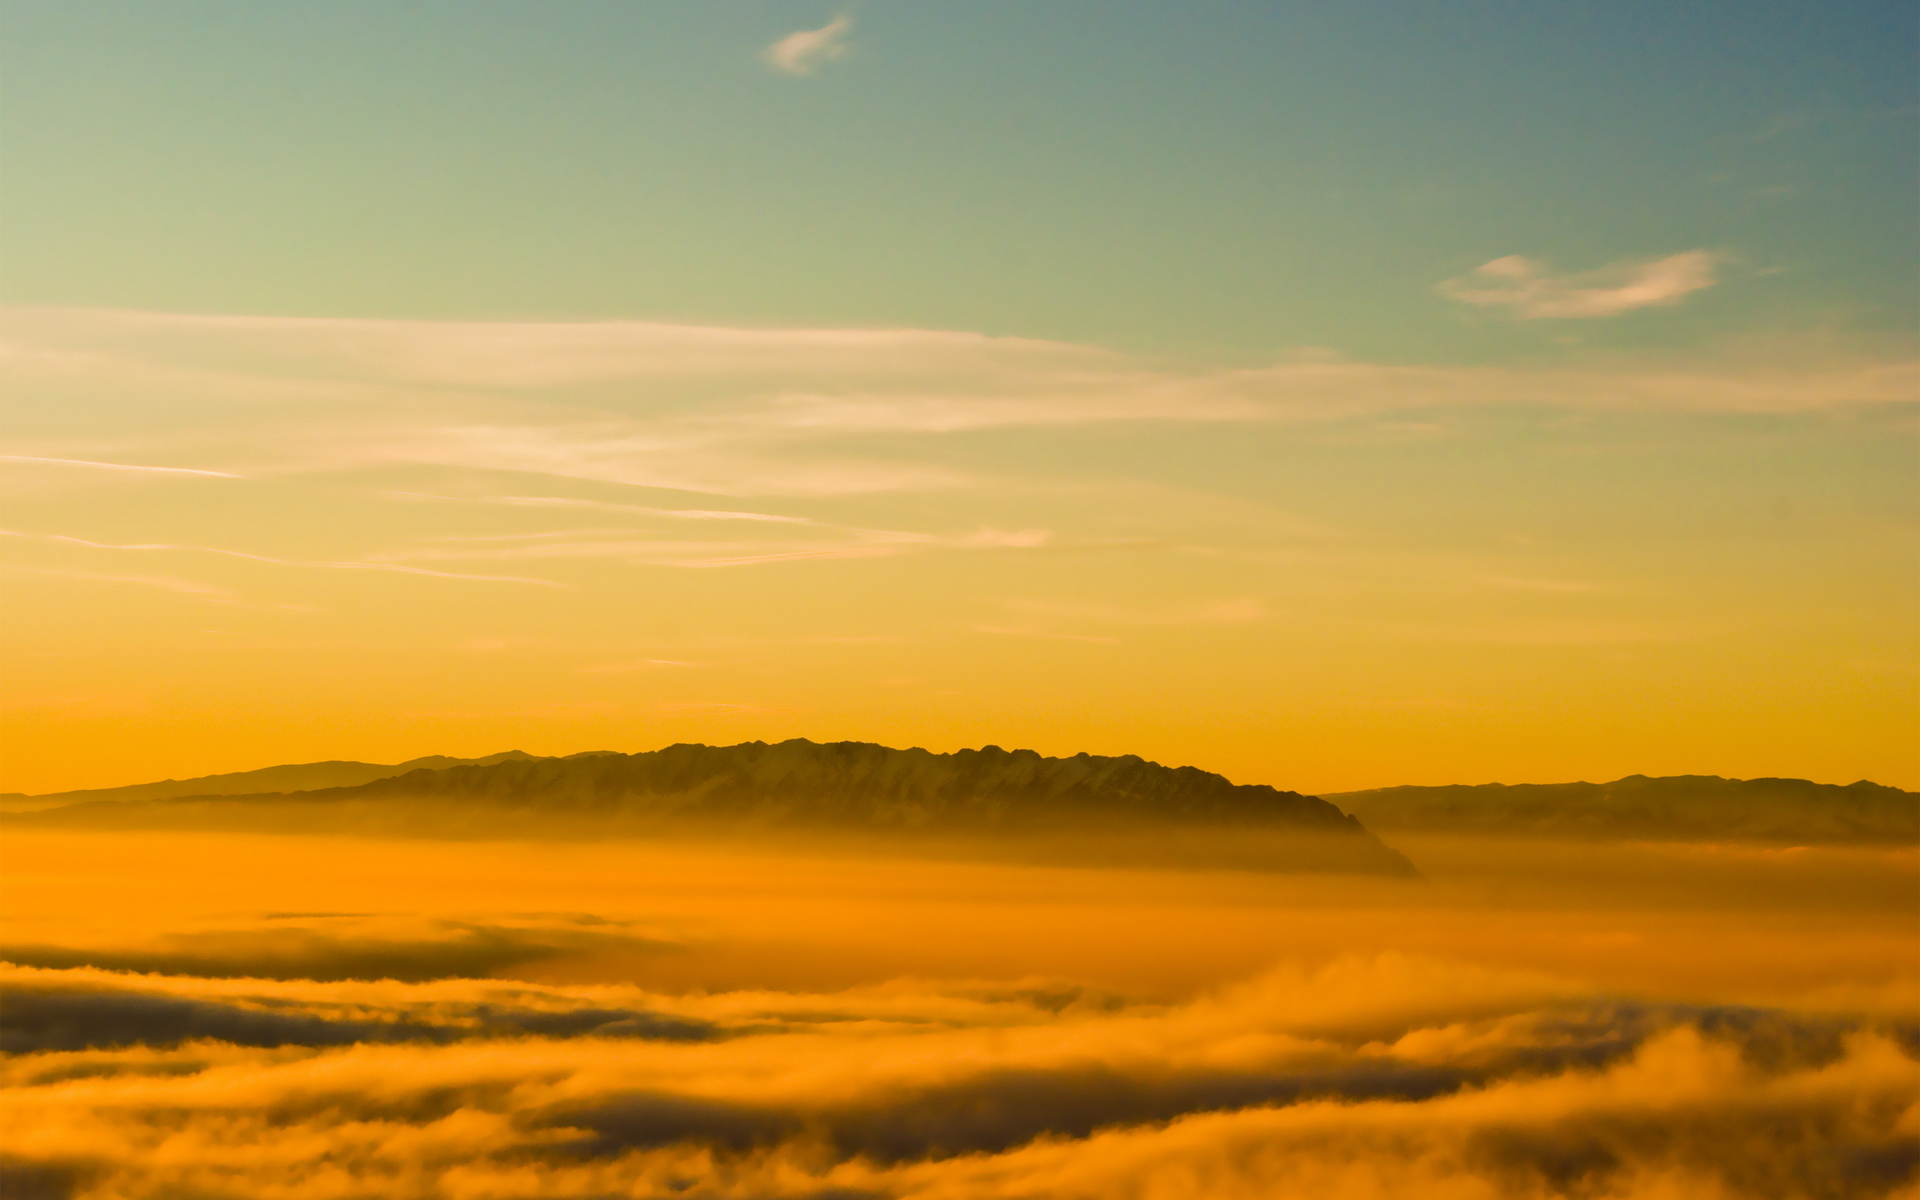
[236,542]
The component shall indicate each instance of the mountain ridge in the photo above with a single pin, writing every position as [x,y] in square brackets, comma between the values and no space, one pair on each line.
[285,777]
[990,788]
[1668,807]
[797,785]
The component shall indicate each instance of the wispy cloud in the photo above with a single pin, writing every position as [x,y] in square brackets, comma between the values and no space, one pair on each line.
[1523,286]
[1065,400]
[612,506]
[777,412]
[851,542]
[714,455]
[150,547]
[505,414]
[169,583]
[1237,610]
[114,466]
[803,52]
[681,514]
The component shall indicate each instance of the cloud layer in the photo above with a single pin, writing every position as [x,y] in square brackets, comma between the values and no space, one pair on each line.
[333,1018]
[1442,1080]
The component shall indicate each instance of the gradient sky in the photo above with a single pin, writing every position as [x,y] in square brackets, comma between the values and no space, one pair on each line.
[1330,395]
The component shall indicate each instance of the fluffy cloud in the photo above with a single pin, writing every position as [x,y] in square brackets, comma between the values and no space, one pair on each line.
[1523,286]
[802,53]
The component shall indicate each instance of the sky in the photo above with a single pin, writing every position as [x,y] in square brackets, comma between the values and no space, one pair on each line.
[1332,396]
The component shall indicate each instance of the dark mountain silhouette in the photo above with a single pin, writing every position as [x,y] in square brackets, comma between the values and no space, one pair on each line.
[294,777]
[1672,808]
[1085,807]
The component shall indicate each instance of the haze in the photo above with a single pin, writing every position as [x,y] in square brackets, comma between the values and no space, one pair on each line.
[922,601]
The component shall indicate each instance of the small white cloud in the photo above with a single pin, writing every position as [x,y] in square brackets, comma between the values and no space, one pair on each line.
[802,53]
[1522,285]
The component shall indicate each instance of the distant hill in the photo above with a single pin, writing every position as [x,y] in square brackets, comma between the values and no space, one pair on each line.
[1081,808]
[295,777]
[1671,808]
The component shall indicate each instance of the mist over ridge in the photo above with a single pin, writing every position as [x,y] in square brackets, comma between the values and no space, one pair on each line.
[1671,808]
[990,802]
[537,980]
[290,777]
[863,785]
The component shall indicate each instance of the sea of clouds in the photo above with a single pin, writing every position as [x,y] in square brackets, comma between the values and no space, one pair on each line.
[1374,1076]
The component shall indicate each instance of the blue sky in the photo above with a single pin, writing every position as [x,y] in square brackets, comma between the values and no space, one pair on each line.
[1222,180]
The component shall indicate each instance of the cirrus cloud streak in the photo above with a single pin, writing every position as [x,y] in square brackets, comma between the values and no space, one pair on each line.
[1522,285]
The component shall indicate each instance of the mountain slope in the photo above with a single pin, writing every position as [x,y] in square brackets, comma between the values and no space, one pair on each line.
[1674,808]
[1055,806]
[292,777]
